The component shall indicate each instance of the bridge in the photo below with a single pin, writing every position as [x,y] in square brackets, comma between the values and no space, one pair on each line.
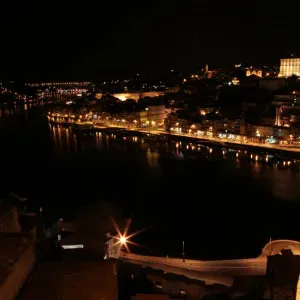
[211,272]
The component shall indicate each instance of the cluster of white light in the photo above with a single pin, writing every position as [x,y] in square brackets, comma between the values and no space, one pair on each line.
[72,246]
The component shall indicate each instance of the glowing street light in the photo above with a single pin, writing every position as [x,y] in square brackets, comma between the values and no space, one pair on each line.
[123,240]
[257,133]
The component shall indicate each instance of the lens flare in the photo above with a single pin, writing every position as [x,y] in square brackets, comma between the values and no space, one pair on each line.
[123,239]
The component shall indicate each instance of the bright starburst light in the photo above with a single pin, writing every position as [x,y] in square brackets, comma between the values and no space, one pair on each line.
[123,239]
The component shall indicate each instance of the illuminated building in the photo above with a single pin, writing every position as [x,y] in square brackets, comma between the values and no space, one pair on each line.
[156,114]
[126,96]
[287,105]
[289,66]
[235,81]
[74,91]
[209,73]
[194,76]
[151,94]
[67,83]
[173,89]
[141,117]
[137,95]
[98,95]
[257,73]
[262,130]
[278,116]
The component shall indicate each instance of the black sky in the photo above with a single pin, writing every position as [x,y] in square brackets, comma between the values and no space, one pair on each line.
[94,39]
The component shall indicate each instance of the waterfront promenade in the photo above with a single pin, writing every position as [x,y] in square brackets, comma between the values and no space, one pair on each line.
[221,141]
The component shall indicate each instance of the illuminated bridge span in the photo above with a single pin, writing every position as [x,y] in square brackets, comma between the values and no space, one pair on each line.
[219,271]
[275,247]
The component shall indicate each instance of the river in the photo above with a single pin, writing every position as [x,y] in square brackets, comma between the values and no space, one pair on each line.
[222,205]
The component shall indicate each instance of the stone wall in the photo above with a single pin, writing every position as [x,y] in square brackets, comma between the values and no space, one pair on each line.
[19,274]
[283,274]
[9,221]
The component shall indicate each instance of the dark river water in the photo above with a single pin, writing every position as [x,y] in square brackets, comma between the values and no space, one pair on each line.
[221,204]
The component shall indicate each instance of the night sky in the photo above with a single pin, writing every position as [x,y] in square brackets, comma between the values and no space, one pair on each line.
[94,39]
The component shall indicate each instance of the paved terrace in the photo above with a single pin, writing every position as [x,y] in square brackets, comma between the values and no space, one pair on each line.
[73,279]
[290,148]
[12,245]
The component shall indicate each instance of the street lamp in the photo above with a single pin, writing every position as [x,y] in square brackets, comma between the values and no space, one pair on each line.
[123,240]
[257,133]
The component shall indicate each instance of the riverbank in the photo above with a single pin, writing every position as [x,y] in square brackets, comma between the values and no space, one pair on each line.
[213,141]
[216,141]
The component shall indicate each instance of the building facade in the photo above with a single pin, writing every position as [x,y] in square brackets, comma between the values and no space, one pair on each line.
[287,108]
[271,84]
[137,95]
[156,114]
[289,66]
[257,73]
[292,100]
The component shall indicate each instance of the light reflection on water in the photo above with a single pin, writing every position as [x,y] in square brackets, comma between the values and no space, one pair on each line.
[16,110]
[282,181]
[152,158]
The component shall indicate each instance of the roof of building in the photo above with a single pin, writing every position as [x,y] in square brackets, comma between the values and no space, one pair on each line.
[290,57]
[28,222]
[5,207]
[12,247]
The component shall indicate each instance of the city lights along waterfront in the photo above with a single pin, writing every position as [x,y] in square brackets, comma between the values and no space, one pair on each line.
[220,202]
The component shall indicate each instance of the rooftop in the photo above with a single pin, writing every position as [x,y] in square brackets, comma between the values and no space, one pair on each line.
[12,246]
[5,207]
